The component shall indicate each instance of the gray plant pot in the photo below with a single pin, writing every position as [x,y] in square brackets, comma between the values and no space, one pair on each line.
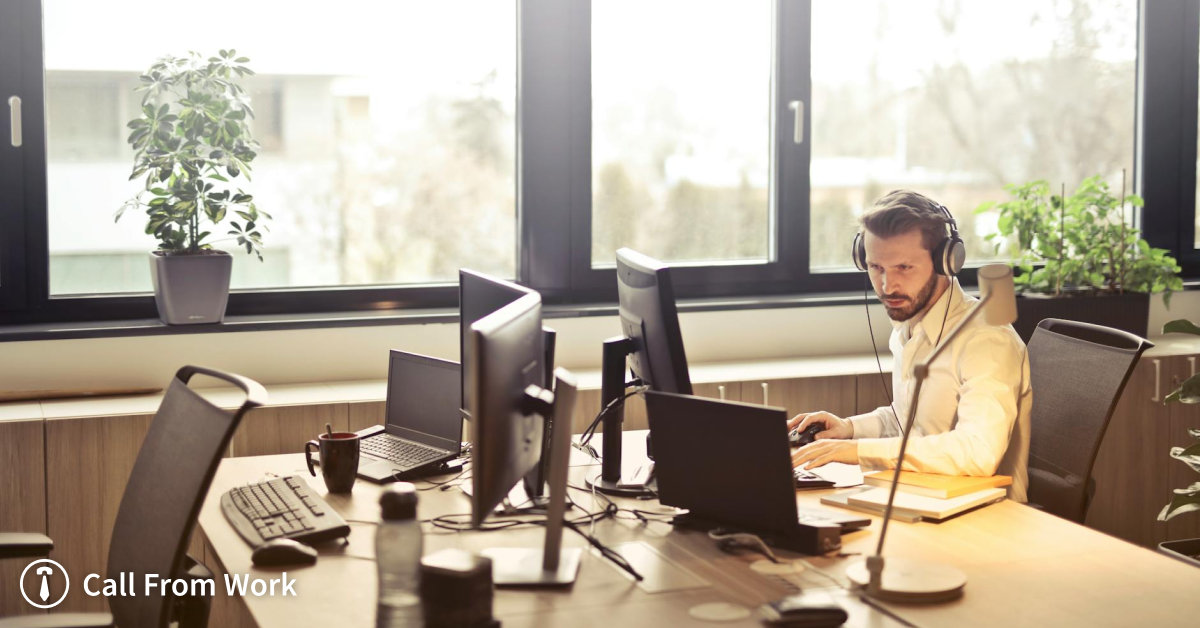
[1128,312]
[191,289]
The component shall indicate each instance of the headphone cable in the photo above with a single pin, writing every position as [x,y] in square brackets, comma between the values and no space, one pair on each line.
[878,362]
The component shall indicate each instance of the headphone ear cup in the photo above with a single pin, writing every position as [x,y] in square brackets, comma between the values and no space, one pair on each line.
[956,255]
[858,251]
[939,257]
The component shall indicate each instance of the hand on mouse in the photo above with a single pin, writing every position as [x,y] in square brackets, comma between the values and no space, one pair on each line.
[835,426]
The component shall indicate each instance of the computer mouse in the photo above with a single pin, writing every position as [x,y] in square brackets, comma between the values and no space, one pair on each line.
[796,438]
[283,553]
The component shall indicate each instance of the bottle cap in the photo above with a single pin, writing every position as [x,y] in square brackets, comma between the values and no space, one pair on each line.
[399,502]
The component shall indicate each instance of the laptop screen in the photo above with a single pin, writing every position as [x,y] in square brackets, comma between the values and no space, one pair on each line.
[422,400]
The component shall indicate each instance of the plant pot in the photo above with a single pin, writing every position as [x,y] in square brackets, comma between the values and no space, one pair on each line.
[191,289]
[1128,312]
[1186,550]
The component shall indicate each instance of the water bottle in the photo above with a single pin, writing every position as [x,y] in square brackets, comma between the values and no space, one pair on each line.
[398,546]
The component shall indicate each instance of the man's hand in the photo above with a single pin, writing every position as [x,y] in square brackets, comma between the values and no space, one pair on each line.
[820,452]
[835,427]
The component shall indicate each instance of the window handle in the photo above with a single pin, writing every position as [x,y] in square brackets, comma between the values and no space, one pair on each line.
[766,394]
[1157,382]
[721,392]
[14,119]
[798,127]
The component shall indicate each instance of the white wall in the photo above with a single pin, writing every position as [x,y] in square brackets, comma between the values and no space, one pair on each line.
[350,353]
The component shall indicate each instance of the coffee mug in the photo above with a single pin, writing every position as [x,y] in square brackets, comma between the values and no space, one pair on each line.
[339,460]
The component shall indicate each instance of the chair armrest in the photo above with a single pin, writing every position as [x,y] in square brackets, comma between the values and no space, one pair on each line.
[24,545]
[59,620]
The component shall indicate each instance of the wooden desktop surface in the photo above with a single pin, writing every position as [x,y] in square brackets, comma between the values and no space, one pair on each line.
[1024,567]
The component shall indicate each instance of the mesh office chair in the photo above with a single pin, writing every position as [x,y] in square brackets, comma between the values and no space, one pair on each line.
[1077,372]
[159,508]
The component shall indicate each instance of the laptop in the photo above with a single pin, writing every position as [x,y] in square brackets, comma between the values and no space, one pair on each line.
[729,465]
[424,422]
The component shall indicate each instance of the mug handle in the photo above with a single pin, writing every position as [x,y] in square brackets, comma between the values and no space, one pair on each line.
[308,455]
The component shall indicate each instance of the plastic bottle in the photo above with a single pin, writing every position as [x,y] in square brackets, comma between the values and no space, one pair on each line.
[398,547]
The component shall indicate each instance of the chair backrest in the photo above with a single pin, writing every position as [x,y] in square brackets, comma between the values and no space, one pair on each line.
[170,480]
[1077,372]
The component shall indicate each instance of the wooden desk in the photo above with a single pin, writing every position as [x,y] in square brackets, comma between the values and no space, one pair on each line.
[1025,568]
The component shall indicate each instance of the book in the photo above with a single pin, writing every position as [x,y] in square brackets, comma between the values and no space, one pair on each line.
[934,485]
[841,499]
[927,507]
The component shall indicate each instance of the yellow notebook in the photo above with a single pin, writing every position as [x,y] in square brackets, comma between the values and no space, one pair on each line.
[933,485]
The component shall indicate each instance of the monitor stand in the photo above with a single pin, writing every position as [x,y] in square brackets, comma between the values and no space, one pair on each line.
[612,387]
[551,564]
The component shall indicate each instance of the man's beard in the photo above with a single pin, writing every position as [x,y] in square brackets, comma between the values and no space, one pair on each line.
[913,306]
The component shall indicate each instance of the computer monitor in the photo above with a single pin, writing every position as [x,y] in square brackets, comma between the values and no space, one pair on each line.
[651,346]
[478,296]
[648,317]
[510,409]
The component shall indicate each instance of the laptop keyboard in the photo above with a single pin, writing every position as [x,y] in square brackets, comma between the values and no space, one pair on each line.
[807,479]
[399,451]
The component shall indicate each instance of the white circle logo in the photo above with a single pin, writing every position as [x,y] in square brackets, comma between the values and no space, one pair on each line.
[44,590]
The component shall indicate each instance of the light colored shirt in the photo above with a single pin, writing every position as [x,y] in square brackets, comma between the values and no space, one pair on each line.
[973,414]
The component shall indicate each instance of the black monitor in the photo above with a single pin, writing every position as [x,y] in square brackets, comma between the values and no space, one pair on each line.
[651,345]
[511,408]
[649,318]
[478,296]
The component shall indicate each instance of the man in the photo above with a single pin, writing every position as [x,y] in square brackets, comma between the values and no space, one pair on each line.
[973,415]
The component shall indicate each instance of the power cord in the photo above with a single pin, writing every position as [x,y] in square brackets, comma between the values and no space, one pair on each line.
[586,439]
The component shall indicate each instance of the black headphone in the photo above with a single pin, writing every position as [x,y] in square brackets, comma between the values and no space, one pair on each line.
[948,256]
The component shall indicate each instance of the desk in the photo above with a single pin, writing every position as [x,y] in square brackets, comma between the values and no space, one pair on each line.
[1025,567]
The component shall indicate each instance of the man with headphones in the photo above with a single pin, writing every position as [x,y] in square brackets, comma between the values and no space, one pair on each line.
[973,417]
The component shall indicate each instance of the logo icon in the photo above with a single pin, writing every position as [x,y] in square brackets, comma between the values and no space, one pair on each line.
[44,590]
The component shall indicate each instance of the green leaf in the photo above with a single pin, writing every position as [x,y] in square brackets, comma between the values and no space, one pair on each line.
[1184,500]
[1181,326]
[1188,392]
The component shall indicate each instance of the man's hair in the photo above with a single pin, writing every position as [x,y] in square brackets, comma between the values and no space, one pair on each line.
[901,211]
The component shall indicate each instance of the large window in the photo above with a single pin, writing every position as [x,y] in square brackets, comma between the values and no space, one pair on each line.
[681,129]
[958,99]
[737,139]
[387,141]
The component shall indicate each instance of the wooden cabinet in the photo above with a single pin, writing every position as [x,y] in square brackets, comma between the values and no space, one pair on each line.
[23,498]
[1134,474]
[831,394]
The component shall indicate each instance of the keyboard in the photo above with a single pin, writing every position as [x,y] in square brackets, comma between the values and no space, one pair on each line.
[807,479]
[285,508]
[402,452]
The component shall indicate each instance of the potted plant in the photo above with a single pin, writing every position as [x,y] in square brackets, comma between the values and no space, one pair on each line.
[191,141]
[1185,499]
[1077,259]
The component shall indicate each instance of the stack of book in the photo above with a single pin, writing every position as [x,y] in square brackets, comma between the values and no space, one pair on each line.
[921,496]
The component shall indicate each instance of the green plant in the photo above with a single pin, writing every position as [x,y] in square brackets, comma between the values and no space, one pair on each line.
[1081,242]
[1185,499]
[194,130]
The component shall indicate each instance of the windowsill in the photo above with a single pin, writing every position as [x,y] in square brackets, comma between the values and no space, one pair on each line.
[321,320]
[155,327]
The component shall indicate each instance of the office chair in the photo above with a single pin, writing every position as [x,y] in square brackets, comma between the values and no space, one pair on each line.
[1077,372]
[158,511]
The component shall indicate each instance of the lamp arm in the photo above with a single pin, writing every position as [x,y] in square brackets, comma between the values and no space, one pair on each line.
[920,372]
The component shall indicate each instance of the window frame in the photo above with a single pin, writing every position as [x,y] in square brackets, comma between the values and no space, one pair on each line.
[553,176]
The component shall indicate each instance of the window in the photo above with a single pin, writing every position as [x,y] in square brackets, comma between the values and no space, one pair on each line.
[737,139]
[397,122]
[958,99]
[681,129]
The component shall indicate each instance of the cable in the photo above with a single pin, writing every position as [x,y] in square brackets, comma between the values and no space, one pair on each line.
[878,362]
[586,438]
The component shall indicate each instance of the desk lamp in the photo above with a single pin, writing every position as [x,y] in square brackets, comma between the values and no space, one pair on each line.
[912,580]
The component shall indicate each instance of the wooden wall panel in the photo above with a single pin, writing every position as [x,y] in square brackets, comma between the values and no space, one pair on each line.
[872,393]
[1131,470]
[22,502]
[285,429]
[89,463]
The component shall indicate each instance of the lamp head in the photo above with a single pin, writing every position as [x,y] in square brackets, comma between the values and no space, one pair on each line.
[996,281]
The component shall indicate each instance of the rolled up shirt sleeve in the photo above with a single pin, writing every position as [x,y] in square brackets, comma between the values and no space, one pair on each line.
[877,423]
[989,367]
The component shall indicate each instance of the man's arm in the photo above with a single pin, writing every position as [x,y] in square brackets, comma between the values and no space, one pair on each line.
[878,423]
[991,368]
